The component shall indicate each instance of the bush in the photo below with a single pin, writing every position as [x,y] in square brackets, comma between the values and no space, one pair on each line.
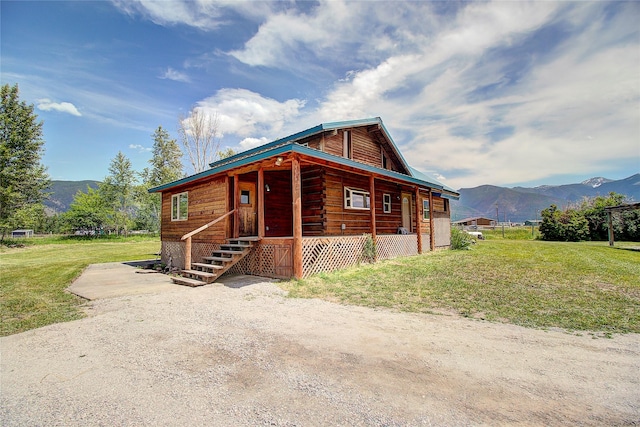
[459,239]
[567,226]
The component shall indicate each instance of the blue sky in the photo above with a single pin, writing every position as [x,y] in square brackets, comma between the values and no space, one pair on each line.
[502,93]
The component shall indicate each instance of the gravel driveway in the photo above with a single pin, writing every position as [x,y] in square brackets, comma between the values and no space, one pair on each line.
[245,355]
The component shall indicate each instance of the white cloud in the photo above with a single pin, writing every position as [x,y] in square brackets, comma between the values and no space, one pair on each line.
[174,75]
[439,102]
[249,143]
[464,88]
[202,14]
[62,107]
[139,148]
[244,113]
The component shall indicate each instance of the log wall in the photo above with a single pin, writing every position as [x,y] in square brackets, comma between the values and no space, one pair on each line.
[207,201]
[314,196]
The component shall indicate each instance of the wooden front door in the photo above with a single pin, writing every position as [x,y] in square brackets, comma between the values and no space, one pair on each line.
[406,211]
[248,215]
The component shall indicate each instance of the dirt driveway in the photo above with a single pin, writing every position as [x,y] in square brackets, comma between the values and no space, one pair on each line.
[245,355]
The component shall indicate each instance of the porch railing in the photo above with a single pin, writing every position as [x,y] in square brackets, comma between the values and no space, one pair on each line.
[189,235]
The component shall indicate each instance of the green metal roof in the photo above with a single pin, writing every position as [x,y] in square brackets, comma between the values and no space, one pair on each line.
[288,144]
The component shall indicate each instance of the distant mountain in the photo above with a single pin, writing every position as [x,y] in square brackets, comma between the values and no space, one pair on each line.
[62,193]
[596,182]
[519,204]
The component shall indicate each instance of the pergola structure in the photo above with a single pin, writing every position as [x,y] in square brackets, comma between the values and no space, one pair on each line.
[619,208]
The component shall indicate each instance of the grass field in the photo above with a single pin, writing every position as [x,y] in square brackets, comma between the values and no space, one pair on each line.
[575,286]
[33,278]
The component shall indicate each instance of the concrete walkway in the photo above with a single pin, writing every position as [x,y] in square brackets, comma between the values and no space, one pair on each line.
[117,279]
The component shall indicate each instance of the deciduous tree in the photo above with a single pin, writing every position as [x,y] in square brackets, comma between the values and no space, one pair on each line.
[199,136]
[118,188]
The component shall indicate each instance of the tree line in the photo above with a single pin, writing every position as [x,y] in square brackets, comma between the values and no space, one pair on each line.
[120,203]
[588,220]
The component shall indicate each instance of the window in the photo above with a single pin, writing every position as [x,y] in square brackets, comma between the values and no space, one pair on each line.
[385,160]
[386,203]
[245,197]
[179,206]
[425,210]
[356,199]
[346,144]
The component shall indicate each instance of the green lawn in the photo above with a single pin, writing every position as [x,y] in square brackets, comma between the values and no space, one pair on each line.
[33,278]
[575,286]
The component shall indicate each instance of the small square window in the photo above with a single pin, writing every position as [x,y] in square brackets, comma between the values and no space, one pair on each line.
[386,203]
[245,197]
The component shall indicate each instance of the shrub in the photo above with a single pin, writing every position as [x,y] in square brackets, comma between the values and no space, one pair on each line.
[459,239]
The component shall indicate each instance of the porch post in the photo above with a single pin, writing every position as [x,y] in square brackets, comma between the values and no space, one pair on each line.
[610,224]
[260,203]
[187,254]
[432,234]
[372,208]
[418,221]
[297,217]
[236,206]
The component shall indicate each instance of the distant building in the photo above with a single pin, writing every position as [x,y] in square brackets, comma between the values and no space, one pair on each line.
[21,233]
[476,222]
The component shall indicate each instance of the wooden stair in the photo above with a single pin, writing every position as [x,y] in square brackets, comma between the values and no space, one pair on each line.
[212,267]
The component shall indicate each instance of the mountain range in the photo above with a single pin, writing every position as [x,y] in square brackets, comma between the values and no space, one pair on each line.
[519,204]
[62,193]
[516,204]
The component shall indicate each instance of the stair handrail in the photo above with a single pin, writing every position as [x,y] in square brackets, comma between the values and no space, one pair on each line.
[207,225]
[187,237]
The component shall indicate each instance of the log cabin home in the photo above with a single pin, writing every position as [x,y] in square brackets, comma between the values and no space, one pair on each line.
[301,205]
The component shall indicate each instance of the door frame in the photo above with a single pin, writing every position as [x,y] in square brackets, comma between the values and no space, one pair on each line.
[406,210]
[250,208]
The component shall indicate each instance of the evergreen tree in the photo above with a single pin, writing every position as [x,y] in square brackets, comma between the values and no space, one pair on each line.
[165,166]
[23,178]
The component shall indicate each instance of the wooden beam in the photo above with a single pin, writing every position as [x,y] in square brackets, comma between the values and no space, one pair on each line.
[418,220]
[296,187]
[236,206]
[432,236]
[372,208]
[261,203]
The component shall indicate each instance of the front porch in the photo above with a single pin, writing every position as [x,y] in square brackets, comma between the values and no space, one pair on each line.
[273,256]
[308,217]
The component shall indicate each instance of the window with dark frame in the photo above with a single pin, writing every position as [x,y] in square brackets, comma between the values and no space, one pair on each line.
[245,197]
[386,203]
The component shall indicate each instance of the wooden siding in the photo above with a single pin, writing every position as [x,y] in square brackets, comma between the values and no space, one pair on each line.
[365,148]
[207,201]
[278,214]
[388,223]
[356,221]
